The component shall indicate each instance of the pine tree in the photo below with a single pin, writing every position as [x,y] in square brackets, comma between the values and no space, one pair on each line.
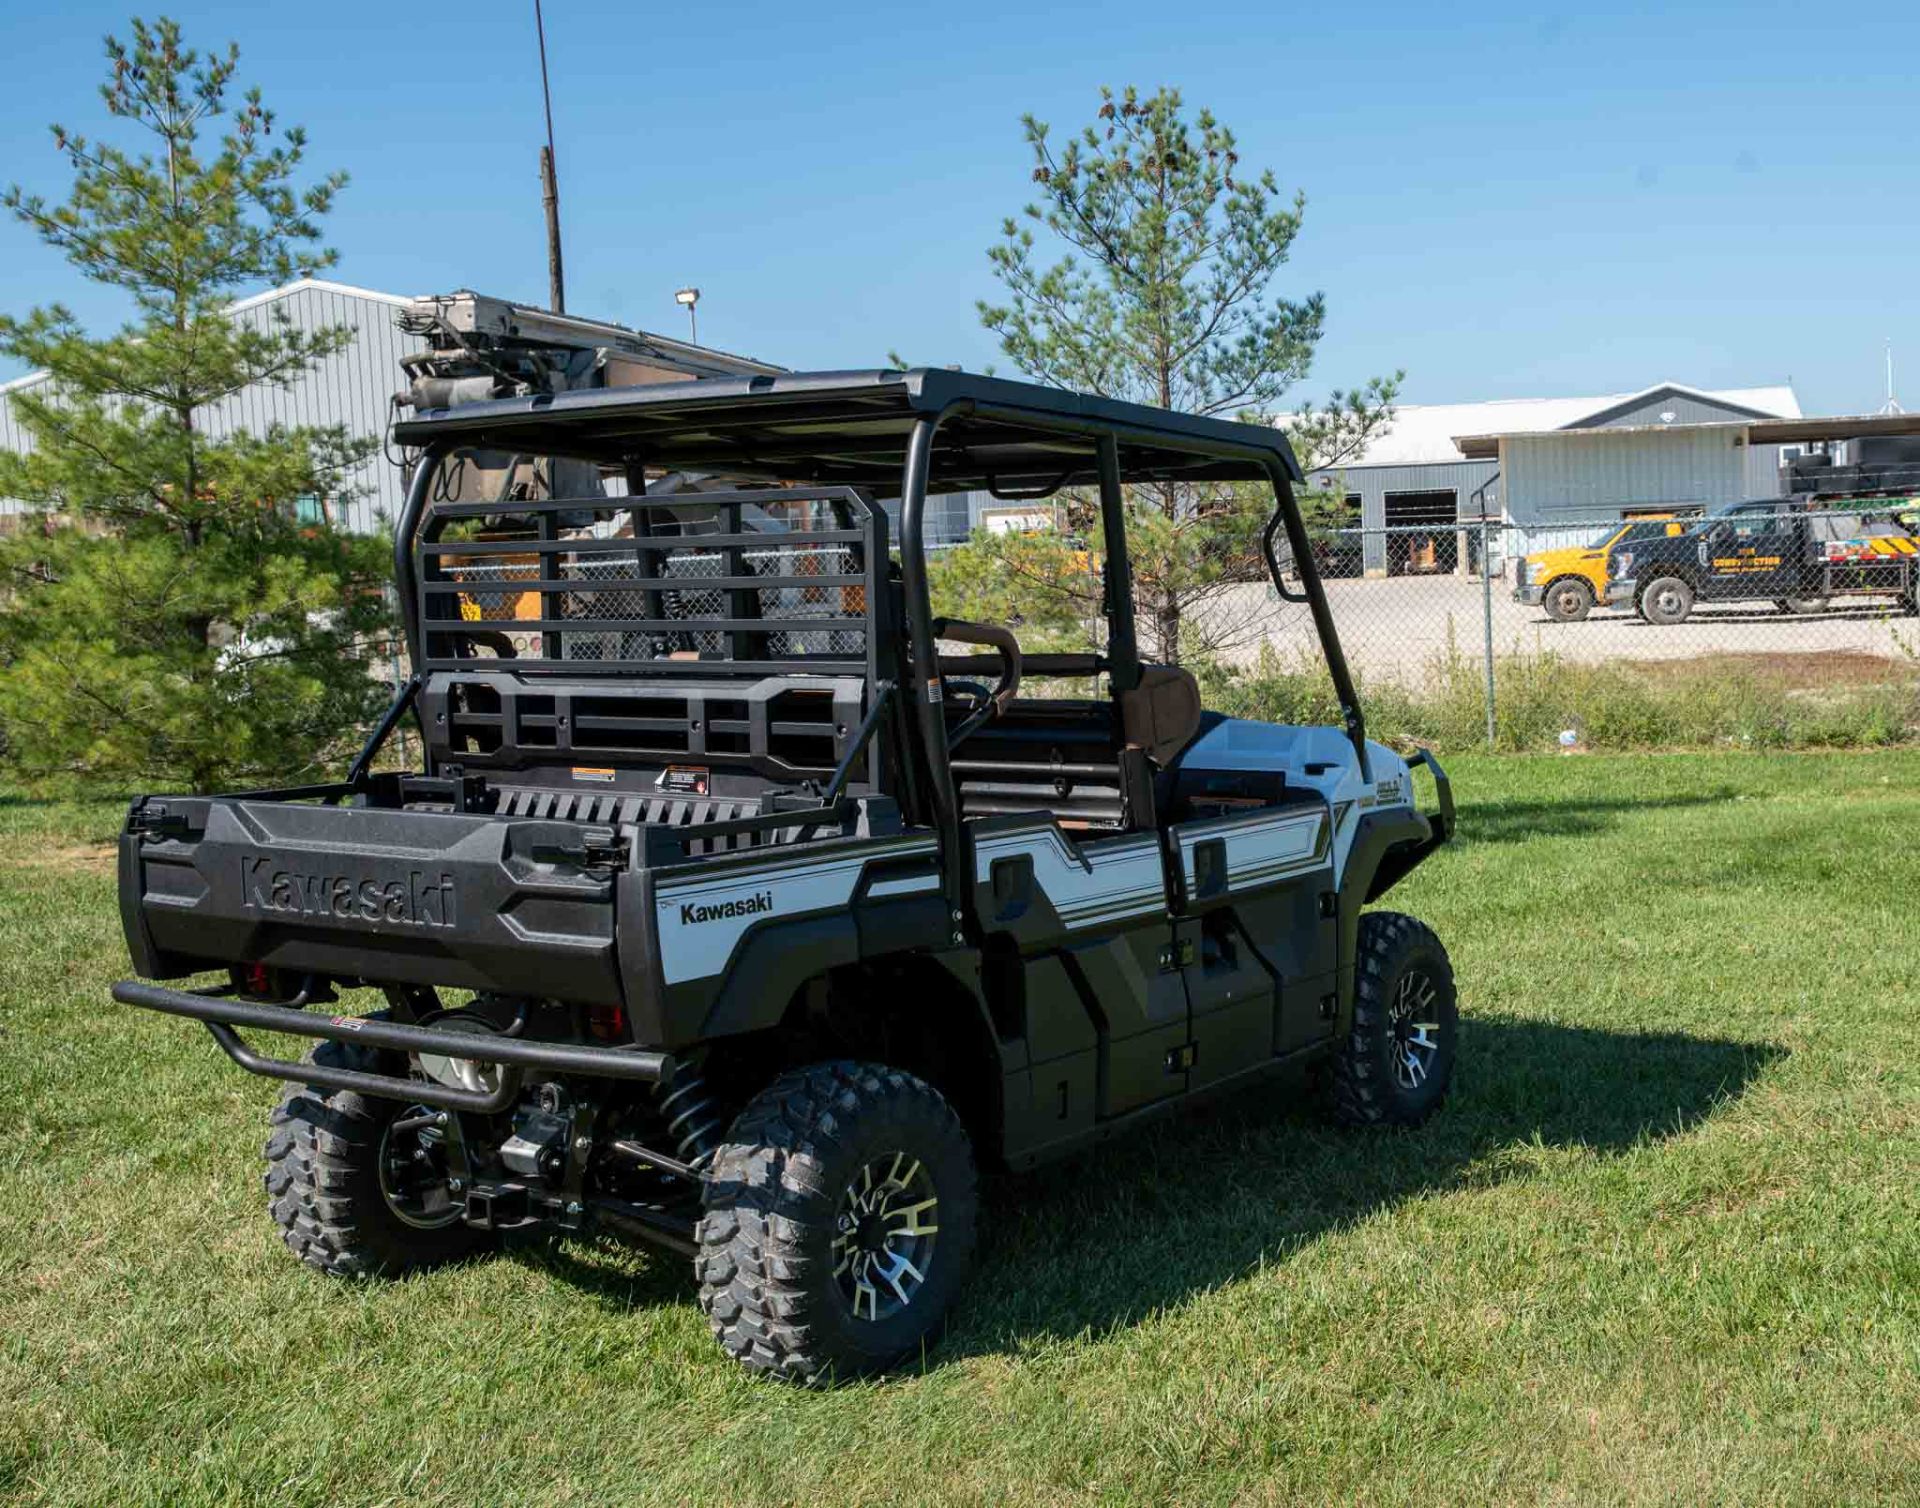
[1160,295]
[169,615]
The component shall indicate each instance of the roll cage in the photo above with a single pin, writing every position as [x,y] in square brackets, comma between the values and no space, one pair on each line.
[885,434]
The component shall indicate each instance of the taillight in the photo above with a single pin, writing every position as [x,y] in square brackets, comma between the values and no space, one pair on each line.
[608,1022]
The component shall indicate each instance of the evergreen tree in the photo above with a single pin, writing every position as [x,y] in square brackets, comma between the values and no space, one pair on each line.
[179,610]
[1160,295]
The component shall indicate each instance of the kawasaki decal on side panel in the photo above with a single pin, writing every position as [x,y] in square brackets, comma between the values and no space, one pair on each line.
[701,918]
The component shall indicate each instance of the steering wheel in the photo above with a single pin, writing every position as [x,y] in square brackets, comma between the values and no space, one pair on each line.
[987,704]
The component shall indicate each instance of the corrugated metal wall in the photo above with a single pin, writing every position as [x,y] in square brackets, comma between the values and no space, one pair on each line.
[351,388]
[1371,484]
[1594,475]
[1684,408]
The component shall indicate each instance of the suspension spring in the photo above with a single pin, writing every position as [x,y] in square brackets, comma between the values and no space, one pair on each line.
[693,1117]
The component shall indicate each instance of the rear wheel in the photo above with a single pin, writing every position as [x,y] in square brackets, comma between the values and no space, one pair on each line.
[1568,600]
[1800,607]
[1395,1065]
[1666,600]
[359,1185]
[839,1223]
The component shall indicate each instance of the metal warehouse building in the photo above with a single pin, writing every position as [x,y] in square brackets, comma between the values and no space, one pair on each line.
[355,388]
[1540,462]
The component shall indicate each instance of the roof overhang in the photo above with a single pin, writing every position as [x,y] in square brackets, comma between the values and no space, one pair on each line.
[852,428]
[1752,431]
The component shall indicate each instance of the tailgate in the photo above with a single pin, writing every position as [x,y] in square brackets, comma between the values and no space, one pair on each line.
[354,892]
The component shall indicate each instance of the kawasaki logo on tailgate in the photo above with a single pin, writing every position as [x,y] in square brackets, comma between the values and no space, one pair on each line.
[751,905]
[419,900]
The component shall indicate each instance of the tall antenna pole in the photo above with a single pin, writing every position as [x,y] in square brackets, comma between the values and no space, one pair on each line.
[1892,405]
[549,181]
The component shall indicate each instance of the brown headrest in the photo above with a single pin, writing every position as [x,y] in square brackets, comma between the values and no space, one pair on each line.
[1162,713]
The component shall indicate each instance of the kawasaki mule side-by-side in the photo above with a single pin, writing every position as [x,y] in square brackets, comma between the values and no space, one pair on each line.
[728,912]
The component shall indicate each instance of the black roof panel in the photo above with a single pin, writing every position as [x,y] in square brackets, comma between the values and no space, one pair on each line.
[852,427]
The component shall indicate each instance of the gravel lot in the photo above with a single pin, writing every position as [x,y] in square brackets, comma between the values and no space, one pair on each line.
[1396,626]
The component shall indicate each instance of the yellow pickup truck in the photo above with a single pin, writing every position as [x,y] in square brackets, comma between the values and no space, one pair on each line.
[1566,582]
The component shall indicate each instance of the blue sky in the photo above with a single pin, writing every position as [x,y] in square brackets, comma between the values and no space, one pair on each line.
[1506,201]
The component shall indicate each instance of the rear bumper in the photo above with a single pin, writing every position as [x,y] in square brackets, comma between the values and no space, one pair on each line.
[221,1015]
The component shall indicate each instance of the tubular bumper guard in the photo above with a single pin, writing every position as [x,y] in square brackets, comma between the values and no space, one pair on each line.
[221,1015]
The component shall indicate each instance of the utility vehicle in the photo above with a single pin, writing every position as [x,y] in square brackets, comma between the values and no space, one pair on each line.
[727,911]
[1783,551]
[1568,580]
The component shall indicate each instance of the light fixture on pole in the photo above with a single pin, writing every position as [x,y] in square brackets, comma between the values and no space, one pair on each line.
[686,298]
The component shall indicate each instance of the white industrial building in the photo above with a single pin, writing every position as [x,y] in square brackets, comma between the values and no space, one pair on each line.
[1539,462]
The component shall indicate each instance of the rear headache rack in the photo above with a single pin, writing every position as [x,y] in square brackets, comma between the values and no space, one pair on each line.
[756,582]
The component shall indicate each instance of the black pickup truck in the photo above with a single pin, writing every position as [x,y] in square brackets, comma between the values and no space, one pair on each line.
[1779,550]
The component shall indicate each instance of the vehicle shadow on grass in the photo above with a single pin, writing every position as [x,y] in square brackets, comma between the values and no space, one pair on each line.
[1198,1201]
[1518,821]
[1177,1208]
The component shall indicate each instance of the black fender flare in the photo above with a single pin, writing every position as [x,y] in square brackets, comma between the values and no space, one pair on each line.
[1387,846]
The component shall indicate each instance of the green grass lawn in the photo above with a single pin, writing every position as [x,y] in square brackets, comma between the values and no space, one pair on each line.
[1663,1246]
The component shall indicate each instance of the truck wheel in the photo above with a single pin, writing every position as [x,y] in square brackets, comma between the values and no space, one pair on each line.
[352,1195]
[839,1223]
[1666,600]
[1800,607]
[1394,1067]
[1568,600]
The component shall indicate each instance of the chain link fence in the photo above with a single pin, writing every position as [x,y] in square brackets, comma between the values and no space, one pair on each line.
[1814,608]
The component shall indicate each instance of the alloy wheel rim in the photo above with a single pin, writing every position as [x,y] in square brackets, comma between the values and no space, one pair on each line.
[413,1173]
[884,1235]
[1415,1030]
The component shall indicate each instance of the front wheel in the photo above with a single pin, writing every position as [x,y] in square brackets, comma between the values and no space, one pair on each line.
[838,1224]
[1568,600]
[1667,600]
[1801,607]
[1395,1065]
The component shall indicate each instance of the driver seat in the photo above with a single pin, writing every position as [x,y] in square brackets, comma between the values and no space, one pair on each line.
[1161,715]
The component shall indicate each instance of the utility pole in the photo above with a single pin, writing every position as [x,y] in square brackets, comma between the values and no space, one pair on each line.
[1892,405]
[549,181]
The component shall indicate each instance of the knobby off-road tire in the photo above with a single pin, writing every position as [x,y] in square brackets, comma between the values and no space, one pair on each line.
[1568,600]
[820,1165]
[1666,600]
[1396,1062]
[324,1183]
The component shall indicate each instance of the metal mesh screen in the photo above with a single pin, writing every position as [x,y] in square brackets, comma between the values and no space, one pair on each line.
[768,578]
